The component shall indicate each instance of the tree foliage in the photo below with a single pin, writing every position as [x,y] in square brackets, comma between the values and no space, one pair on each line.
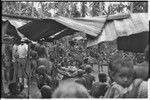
[76,9]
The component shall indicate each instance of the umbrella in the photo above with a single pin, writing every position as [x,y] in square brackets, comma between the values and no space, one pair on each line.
[98,29]
[9,29]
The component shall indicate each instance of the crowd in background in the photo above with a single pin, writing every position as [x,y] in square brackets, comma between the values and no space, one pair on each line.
[125,80]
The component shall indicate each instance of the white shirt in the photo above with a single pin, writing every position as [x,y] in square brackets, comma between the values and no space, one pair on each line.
[14,52]
[120,91]
[22,50]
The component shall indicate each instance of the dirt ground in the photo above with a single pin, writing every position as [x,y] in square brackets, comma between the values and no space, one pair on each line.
[35,93]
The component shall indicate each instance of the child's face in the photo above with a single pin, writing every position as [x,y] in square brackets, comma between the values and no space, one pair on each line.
[124,76]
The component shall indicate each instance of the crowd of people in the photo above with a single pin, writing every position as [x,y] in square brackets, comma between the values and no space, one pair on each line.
[123,80]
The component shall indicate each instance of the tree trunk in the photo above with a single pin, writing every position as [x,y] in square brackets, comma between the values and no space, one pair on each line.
[83,9]
[131,7]
[19,8]
[32,9]
[41,10]
[101,6]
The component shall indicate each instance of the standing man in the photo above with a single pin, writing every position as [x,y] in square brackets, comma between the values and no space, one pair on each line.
[15,56]
[22,68]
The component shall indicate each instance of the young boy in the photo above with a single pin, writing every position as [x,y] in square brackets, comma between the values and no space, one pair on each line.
[124,83]
[43,77]
[89,78]
[80,79]
[99,88]
[14,90]
[46,91]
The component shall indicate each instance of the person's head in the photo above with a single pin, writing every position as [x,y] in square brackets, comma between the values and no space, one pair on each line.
[41,70]
[21,87]
[41,51]
[99,90]
[46,91]
[121,71]
[88,69]
[147,53]
[80,73]
[70,90]
[32,46]
[14,88]
[102,77]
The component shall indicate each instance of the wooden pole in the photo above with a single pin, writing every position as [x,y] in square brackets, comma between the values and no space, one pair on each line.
[29,77]
[32,15]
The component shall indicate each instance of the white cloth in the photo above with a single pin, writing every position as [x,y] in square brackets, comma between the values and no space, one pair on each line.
[14,52]
[22,50]
[119,90]
[143,90]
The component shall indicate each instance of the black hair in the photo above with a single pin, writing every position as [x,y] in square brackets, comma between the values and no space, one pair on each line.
[102,77]
[117,59]
[32,46]
[21,87]
[41,51]
[46,91]
[88,69]
[80,73]
[99,90]
[13,86]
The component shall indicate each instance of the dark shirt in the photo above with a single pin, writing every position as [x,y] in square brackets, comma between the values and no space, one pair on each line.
[44,80]
[46,63]
[99,89]
[33,54]
[81,80]
[89,80]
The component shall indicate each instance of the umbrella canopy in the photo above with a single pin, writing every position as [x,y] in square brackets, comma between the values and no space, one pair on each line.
[131,33]
[58,27]
[16,23]
[98,29]
[9,29]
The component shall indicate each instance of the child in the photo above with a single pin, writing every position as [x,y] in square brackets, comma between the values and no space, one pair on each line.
[88,77]
[21,91]
[99,88]
[124,83]
[80,79]
[43,78]
[14,90]
[46,91]
[71,90]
